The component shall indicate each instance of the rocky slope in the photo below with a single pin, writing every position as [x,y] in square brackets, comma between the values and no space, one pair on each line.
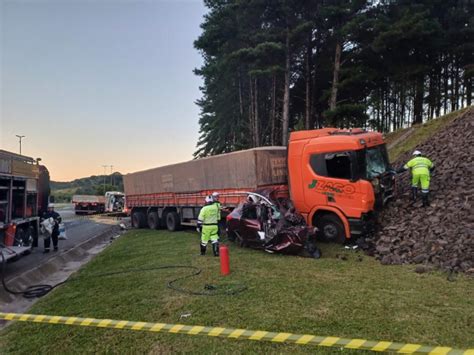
[441,235]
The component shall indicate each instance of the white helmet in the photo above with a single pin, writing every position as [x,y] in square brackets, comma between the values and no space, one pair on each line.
[215,196]
[416,152]
[208,199]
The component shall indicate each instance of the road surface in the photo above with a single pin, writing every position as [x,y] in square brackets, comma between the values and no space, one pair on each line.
[78,229]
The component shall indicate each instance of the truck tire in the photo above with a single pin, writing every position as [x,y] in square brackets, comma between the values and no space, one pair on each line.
[138,219]
[172,221]
[153,220]
[331,229]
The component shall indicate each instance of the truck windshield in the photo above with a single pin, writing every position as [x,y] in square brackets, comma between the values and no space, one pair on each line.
[376,161]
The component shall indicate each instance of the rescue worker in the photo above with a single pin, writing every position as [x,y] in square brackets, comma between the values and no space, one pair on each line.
[208,219]
[420,167]
[51,213]
[215,200]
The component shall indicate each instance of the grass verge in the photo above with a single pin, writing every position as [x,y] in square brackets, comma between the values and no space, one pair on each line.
[420,134]
[330,296]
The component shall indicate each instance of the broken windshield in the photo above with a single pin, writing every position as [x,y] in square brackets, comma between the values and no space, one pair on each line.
[377,161]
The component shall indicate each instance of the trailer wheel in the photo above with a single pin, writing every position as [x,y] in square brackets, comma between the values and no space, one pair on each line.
[172,221]
[138,219]
[153,220]
[331,229]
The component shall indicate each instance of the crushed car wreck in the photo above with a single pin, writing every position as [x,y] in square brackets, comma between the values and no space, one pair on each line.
[271,224]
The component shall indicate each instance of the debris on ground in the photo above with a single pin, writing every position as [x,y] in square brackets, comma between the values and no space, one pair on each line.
[441,235]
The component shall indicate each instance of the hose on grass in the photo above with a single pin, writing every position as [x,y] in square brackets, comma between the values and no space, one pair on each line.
[32,291]
[35,291]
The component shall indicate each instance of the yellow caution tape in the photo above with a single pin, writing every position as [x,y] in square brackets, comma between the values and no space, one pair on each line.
[232,333]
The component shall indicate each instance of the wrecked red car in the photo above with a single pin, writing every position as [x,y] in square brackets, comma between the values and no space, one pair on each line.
[273,226]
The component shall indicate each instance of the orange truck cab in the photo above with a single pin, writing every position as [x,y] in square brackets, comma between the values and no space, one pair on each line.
[339,179]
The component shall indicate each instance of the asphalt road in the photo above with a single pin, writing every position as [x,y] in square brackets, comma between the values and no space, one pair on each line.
[78,229]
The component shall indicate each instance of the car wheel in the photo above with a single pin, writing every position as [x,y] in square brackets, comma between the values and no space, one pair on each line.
[172,221]
[330,229]
[231,236]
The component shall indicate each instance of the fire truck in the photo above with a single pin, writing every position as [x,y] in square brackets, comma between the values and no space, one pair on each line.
[24,197]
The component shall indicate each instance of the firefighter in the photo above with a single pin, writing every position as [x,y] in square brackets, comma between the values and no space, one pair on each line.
[421,168]
[208,219]
[51,213]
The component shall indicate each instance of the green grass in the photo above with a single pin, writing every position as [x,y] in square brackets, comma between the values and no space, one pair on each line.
[420,134]
[329,296]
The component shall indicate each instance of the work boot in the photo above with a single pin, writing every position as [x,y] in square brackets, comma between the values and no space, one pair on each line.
[414,191]
[215,249]
[203,249]
[425,199]
[45,251]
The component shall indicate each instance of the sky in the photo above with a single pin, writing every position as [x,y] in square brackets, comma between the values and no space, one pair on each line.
[100,82]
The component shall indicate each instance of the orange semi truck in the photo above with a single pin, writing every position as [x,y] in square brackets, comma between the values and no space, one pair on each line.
[337,179]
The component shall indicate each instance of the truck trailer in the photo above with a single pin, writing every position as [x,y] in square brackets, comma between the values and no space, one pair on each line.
[337,179]
[88,204]
[24,196]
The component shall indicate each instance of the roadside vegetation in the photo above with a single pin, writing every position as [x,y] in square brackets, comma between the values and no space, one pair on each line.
[417,134]
[343,294]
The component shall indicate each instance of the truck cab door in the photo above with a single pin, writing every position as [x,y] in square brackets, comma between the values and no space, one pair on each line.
[331,181]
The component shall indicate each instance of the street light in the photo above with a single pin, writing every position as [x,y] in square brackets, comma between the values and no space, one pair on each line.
[105,173]
[20,138]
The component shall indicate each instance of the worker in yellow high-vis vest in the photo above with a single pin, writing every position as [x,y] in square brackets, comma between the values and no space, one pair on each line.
[208,220]
[421,168]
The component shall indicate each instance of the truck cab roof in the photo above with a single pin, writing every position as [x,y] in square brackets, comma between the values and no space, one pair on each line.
[355,138]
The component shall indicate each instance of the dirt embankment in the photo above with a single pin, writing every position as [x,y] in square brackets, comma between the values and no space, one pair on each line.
[441,235]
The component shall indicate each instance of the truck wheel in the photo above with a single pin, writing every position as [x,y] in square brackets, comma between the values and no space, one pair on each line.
[138,220]
[330,229]
[172,221]
[153,220]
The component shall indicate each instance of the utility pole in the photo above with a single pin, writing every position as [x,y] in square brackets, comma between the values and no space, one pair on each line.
[105,173]
[20,138]
[111,175]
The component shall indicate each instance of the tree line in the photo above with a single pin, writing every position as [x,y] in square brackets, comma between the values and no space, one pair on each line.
[272,66]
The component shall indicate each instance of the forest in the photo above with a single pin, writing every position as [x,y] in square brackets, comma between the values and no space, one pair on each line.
[275,66]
